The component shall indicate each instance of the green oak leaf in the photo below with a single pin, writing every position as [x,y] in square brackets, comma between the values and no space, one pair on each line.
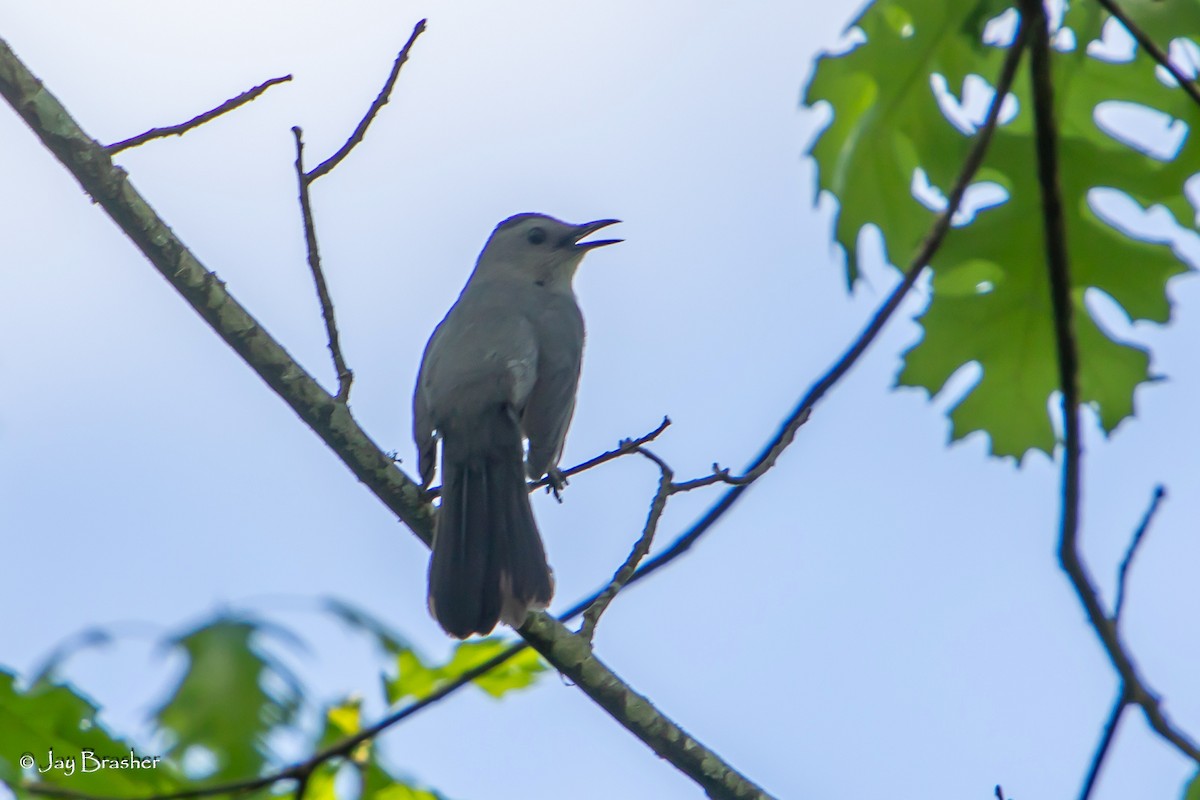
[518,672]
[55,718]
[231,696]
[990,301]
[416,679]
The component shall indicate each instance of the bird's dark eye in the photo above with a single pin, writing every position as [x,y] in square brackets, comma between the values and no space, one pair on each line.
[536,235]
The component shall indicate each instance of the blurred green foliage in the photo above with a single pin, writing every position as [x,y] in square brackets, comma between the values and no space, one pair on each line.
[232,699]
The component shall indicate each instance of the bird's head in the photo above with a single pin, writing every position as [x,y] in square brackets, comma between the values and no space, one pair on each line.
[542,249]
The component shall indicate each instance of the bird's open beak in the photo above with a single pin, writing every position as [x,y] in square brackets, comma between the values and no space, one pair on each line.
[589,228]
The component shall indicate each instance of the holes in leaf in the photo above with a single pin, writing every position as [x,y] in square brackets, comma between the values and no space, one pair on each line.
[1063,40]
[1185,55]
[999,30]
[1145,129]
[1109,315]
[1116,208]
[977,198]
[1191,190]
[1155,224]
[850,41]
[926,193]
[969,113]
[960,384]
[1055,11]
[1115,45]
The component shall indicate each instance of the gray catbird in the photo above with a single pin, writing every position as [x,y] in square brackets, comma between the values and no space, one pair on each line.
[503,366]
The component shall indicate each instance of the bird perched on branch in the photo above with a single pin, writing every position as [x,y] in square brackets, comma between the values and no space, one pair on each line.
[502,367]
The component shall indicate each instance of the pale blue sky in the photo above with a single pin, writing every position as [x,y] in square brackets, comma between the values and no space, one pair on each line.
[881,617]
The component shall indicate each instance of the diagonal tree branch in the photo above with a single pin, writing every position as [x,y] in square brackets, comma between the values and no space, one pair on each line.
[197,121]
[332,421]
[929,246]
[1187,84]
[1058,267]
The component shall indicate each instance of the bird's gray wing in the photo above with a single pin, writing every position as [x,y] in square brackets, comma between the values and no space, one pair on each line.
[423,419]
[548,410]
[481,355]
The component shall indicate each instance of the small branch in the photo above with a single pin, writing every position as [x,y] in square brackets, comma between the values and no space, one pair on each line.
[666,488]
[623,448]
[195,122]
[380,101]
[1068,368]
[1123,573]
[930,245]
[344,375]
[1187,84]
[1106,739]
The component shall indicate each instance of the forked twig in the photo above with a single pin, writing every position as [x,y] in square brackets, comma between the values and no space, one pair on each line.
[344,375]
[1058,268]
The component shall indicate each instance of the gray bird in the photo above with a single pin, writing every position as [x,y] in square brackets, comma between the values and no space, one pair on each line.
[503,366]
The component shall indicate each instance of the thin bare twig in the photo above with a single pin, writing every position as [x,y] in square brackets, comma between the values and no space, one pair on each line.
[344,375]
[197,121]
[380,101]
[1187,84]
[623,448]
[1123,573]
[666,488]
[1068,368]
[929,246]
[1106,739]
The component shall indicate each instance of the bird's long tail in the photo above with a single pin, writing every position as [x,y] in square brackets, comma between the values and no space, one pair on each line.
[488,561]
